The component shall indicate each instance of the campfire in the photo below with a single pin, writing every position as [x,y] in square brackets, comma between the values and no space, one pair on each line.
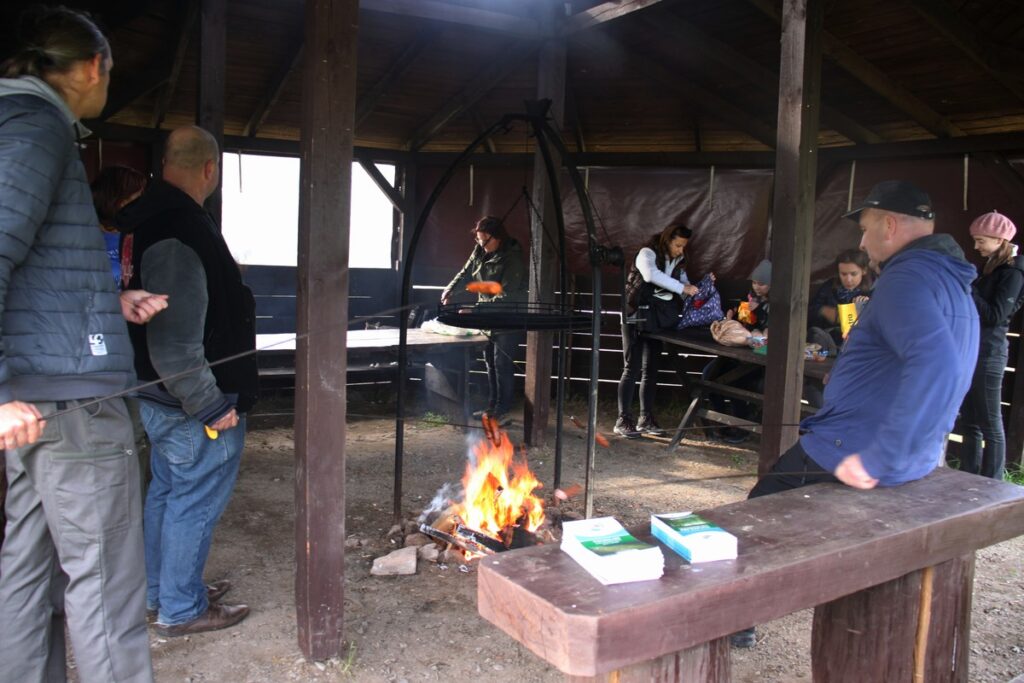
[498,509]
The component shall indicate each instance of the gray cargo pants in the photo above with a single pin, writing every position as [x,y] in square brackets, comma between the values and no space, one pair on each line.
[74,522]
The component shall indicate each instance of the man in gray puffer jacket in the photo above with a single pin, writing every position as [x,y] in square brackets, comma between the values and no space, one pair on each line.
[74,524]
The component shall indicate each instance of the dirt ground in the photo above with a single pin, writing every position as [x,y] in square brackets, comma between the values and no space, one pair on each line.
[425,626]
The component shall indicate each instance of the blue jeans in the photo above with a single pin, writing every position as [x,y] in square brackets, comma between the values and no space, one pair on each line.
[193,476]
[981,418]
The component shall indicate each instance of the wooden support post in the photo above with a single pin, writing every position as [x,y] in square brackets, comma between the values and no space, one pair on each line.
[543,252]
[796,157]
[212,68]
[329,95]
[914,628]
[705,663]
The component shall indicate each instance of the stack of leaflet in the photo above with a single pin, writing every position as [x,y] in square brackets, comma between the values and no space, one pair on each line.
[693,537]
[610,553]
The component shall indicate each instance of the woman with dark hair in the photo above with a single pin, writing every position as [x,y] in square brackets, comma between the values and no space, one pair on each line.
[496,257]
[112,189]
[74,550]
[998,294]
[656,279]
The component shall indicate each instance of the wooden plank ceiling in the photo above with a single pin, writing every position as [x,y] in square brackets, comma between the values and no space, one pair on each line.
[643,75]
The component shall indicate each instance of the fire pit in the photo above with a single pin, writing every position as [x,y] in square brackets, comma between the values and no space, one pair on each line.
[498,509]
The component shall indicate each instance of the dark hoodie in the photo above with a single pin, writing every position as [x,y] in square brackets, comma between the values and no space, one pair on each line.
[998,296]
[172,245]
[894,392]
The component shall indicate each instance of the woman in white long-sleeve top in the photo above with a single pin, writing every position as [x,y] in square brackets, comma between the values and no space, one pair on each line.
[657,278]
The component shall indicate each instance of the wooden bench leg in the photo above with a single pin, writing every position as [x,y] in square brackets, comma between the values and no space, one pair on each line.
[707,663]
[684,423]
[915,628]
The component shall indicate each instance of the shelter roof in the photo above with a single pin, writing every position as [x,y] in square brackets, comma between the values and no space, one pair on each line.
[641,75]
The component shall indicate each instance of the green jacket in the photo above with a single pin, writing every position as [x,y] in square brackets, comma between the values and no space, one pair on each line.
[504,266]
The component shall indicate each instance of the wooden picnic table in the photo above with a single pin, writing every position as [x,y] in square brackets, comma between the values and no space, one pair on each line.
[889,572]
[700,341]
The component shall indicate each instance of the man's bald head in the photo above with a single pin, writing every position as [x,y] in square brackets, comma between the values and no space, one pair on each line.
[191,162]
[189,148]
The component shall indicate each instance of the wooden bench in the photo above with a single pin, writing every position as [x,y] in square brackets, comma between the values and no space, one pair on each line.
[888,571]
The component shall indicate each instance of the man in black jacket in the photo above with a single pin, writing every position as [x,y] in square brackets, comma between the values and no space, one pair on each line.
[195,420]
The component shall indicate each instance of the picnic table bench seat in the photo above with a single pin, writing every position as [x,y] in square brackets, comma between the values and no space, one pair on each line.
[888,571]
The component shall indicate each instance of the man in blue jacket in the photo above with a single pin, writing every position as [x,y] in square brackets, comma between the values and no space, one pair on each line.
[895,390]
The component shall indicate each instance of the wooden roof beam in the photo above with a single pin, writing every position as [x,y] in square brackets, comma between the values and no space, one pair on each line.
[605,12]
[703,99]
[389,190]
[478,123]
[270,98]
[369,100]
[137,88]
[964,35]
[690,37]
[456,14]
[875,79]
[484,81]
[188,26]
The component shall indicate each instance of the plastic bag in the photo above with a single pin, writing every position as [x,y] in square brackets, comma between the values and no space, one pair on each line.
[730,333]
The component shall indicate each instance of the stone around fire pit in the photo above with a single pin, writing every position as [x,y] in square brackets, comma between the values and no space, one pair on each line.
[429,553]
[417,539]
[398,563]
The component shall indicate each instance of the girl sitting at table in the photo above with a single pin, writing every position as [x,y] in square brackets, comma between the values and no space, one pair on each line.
[851,285]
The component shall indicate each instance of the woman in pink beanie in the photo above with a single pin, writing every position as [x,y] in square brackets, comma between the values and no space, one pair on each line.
[998,293]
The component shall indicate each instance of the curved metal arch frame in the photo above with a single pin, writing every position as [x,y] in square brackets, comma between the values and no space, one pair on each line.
[546,137]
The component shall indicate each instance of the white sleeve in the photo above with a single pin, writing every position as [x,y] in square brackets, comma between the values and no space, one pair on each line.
[646,263]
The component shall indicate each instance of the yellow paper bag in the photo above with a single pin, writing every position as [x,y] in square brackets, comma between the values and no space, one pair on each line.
[847,318]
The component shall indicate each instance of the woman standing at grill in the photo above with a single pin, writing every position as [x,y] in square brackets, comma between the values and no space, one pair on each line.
[998,293]
[658,280]
[496,257]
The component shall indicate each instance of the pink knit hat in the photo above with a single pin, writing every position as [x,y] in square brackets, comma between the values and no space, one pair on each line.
[993,224]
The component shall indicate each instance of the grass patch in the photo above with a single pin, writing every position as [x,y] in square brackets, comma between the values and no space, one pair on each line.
[435,419]
[1015,474]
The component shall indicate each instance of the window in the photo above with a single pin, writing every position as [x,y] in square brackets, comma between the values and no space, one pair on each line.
[261,212]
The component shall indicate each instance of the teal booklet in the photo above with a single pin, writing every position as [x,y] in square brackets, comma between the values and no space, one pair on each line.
[693,537]
[609,552]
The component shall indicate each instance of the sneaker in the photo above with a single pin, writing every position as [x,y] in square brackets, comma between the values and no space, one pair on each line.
[625,426]
[647,425]
[744,639]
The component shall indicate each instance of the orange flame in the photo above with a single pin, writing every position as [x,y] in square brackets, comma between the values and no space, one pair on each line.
[495,502]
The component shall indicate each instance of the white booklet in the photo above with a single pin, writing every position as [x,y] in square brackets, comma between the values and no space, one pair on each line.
[610,553]
[693,537]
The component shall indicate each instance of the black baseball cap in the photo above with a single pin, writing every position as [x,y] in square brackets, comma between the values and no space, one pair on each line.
[897,196]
